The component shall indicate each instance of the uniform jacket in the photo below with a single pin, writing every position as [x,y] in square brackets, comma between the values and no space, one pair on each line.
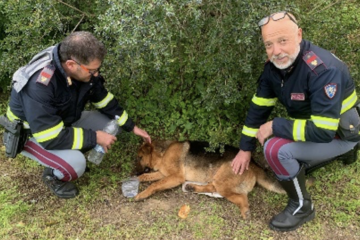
[315,91]
[49,102]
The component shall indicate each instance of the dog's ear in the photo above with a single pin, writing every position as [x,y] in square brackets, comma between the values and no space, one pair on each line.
[147,148]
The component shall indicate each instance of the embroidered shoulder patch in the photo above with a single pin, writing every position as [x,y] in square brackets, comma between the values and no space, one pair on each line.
[312,60]
[45,75]
[330,90]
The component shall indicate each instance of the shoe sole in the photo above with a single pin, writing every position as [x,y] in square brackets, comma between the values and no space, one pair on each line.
[307,219]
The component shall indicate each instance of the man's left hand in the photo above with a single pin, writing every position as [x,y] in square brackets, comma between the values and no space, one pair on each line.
[264,132]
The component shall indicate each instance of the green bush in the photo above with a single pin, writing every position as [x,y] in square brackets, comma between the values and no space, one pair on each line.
[183,69]
[186,68]
[30,26]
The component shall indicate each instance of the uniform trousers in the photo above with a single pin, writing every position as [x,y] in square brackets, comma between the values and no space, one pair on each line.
[68,164]
[286,156]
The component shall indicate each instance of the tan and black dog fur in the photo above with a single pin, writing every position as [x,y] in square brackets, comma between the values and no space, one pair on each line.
[176,162]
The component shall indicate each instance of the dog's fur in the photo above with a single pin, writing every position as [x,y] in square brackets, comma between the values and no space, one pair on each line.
[176,162]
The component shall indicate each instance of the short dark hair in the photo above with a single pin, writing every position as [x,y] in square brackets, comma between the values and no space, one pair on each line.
[83,47]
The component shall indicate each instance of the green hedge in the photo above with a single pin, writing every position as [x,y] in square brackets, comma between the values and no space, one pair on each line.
[182,69]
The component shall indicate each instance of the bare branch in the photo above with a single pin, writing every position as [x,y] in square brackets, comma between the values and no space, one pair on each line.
[76,9]
[78,23]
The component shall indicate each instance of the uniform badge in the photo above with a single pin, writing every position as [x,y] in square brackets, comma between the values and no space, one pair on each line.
[330,90]
[69,82]
[45,75]
[298,96]
[312,60]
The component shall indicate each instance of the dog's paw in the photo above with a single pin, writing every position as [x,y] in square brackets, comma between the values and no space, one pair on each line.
[246,215]
[137,198]
[141,196]
[189,188]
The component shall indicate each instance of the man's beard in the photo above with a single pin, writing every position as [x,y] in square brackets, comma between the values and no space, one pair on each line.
[291,59]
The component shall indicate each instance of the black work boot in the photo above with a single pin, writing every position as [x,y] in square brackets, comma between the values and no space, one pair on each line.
[322,164]
[299,209]
[350,156]
[59,188]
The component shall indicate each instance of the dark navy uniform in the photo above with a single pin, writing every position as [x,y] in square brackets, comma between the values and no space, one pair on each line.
[52,107]
[50,103]
[315,91]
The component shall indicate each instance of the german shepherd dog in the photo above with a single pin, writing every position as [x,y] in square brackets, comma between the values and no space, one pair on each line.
[175,162]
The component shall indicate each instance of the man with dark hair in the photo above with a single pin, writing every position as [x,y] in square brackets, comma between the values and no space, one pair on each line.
[319,95]
[49,95]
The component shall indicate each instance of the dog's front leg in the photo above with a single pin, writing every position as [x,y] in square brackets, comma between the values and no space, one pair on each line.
[150,177]
[165,183]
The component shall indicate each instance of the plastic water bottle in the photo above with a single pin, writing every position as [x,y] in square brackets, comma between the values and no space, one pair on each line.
[96,154]
[130,187]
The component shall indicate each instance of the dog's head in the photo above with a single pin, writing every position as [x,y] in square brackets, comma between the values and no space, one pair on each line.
[144,157]
[149,155]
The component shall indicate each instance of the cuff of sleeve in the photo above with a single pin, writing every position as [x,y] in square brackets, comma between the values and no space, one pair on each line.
[247,143]
[89,140]
[129,125]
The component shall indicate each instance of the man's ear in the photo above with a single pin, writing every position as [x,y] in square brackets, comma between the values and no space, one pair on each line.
[299,35]
[71,65]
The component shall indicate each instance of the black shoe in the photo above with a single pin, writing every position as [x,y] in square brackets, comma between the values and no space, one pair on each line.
[59,188]
[320,165]
[351,156]
[290,219]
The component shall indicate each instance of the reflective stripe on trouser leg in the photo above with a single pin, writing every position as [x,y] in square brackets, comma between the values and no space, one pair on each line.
[286,154]
[68,165]
[271,152]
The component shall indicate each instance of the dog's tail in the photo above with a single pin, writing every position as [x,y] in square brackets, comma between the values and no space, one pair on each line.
[268,183]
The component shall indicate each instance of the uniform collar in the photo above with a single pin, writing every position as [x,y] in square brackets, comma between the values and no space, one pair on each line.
[58,65]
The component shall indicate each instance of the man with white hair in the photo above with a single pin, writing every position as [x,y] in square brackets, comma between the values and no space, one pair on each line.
[319,95]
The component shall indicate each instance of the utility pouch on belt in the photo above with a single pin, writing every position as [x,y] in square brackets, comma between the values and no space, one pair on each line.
[14,136]
[349,125]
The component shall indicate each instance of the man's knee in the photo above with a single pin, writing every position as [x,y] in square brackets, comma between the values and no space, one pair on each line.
[72,168]
[78,162]
[280,160]
[80,165]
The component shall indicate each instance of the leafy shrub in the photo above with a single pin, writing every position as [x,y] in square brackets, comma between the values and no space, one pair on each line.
[183,69]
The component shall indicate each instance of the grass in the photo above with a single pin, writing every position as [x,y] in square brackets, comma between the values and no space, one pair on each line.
[29,211]
[101,212]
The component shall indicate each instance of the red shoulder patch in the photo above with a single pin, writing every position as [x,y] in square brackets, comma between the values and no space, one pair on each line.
[312,60]
[46,74]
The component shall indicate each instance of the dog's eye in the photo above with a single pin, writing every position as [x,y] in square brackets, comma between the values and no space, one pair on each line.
[146,170]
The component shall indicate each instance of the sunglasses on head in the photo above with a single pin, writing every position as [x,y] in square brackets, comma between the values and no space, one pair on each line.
[276,17]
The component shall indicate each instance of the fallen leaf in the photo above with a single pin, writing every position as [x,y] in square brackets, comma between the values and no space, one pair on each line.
[184,211]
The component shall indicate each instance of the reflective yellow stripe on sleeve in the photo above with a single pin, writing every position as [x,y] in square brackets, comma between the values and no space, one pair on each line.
[104,102]
[122,120]
[348,102]
[299,130]
[250,132]
[264,102]
[48,134]
[78,138]
[11,116]
[326,123]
